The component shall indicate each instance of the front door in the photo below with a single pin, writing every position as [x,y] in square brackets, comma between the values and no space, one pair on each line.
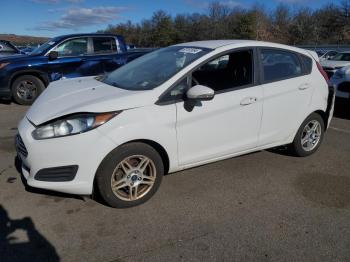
[230,122]
[74,60]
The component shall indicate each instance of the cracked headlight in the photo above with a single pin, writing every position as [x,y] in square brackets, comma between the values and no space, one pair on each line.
[72,125]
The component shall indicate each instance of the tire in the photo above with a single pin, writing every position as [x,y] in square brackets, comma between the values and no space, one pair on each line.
[313,140]
[119,169]
[26,88]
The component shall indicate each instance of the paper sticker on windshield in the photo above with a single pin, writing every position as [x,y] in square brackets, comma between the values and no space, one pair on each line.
[188,50]
[51,43]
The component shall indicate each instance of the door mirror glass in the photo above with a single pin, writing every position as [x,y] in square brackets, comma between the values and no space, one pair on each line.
[53,55]
[200,92]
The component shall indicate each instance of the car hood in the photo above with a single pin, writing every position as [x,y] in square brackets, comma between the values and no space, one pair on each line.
[334,64]
[15,58]
[82,95]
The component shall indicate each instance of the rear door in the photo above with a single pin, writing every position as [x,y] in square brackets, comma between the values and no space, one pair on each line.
[287,93]
[105,51]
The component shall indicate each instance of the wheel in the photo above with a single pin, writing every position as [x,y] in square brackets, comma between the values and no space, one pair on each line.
[309,136]
[129,175]
[26,88]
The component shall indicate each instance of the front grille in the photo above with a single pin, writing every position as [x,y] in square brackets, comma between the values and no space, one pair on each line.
[344,87]
[21,148]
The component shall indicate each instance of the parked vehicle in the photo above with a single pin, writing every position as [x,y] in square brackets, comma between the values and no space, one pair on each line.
[7,49]
[341,81]
[24,77]
[340,60]
[175,108]
[328,55]
[26,49]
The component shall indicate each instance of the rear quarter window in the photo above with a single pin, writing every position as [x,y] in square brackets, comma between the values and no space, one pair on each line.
[307,64]
[279,64]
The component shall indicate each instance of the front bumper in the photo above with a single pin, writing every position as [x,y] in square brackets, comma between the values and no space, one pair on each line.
[5,91]
[341,85]
[85,150]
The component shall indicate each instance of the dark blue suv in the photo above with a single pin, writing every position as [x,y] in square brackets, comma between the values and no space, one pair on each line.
[24,77]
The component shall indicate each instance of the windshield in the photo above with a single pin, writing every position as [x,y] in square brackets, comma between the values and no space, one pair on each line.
[342,57]
[45,46]
[153,69]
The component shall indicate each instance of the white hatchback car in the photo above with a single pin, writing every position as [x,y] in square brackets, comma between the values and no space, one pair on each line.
[175,108]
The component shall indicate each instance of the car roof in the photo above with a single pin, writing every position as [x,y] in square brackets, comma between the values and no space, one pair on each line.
[86,35]
[214,44]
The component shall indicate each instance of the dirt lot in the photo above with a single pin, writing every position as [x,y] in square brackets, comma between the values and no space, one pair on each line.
[265,206]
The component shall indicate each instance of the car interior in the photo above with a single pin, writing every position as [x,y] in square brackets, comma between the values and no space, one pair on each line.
[228,71]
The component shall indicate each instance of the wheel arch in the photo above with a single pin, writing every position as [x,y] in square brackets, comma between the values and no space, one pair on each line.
[324,117]
[39,74]
[159,148]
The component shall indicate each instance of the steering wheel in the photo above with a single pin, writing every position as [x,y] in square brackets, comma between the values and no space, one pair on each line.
[195,81]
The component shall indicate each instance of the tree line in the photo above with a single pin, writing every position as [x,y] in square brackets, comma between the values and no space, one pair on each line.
[329,24]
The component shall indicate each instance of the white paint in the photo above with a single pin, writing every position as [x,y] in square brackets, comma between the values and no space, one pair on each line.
[231,124]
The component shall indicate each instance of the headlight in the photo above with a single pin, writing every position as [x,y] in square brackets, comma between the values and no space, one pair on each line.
[2,65]
[71,125]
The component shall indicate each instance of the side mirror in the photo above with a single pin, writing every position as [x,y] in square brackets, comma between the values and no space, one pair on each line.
[199,92]
[53,55]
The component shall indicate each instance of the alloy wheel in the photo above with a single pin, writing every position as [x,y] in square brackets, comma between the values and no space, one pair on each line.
[133,178]
[311,135]
[27,90]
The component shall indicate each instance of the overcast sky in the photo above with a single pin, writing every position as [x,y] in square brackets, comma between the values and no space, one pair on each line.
[56,17]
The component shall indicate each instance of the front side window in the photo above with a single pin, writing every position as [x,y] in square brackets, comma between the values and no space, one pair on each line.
[225,72]
[73,47]
[153,69]
[104,45]
[278,65]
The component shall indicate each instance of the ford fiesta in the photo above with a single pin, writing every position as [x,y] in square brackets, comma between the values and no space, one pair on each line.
[175,108]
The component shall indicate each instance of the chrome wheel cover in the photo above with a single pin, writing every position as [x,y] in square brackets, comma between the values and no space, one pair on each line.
[311,135]
[133,178]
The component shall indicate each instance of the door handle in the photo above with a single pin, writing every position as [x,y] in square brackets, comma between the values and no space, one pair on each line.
[304,86]
[248,101]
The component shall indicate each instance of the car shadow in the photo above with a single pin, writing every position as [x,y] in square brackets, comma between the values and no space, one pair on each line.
[281,150]
[342,108]
[33,247]
[56,195]
[5,102]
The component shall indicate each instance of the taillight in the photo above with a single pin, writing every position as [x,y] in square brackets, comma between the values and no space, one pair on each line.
[324,74]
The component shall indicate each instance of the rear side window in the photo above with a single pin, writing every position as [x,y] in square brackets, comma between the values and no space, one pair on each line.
[279,65]
[104,45]
[307,64]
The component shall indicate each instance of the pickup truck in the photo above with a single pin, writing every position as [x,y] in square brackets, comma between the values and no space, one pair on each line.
[24,77]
